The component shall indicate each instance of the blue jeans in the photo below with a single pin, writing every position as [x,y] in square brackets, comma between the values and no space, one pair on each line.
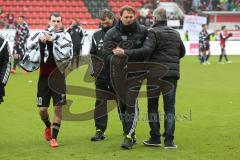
[169,113]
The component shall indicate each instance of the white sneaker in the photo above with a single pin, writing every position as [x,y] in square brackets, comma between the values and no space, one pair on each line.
[208,62]
[229,62]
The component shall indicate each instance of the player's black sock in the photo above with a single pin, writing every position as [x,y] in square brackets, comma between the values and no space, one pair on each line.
[47,122]
[207,57]
[204,58]
[1,99]
[225,56]
[55,130]
[15,63]
[220,58]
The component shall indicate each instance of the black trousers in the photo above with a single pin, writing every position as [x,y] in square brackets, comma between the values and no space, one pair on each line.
[75,62]
[126,82]
[128,113]
[169,113]
[100,112]
[128,103]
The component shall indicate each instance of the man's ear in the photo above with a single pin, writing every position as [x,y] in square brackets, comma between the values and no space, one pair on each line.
[154,19]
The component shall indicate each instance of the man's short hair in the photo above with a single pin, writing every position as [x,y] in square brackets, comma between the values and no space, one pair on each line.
[75,19]
[203,25]
[160,14]
[55,14]
[106,13]
[127,8]
[23,17]
[223,27]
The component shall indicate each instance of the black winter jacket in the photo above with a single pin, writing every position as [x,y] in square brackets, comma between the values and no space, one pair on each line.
[126,37]
[162,45]
[100,70]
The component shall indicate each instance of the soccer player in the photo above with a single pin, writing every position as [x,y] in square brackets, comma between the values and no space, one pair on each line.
[45,92]
[204,45]
[22,33]
[103,78]
[224,35]
[4,66]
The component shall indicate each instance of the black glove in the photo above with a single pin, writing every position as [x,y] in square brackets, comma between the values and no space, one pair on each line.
[230,34]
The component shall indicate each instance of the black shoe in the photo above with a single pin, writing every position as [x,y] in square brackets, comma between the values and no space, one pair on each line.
[99,136]
[134,139]
[170,145]
[152,143]
[127,143]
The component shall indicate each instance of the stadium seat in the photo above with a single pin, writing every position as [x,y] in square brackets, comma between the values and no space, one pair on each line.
[37,11]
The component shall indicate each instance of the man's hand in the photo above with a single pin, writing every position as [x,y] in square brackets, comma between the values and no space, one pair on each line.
[48,37]
[43,38]
[119,52]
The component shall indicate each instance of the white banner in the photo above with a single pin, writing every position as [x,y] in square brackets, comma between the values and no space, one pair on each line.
[193,24]
[173,23]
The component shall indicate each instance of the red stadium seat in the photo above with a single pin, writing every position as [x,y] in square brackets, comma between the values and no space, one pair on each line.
[81,15]
[61,3]
[41,15]
[37,11]
[83,9]
[80,3]
[58,9]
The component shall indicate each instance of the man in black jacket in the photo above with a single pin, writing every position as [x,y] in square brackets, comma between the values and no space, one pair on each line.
[169,50]
[163,45]
[76,33]
[127,34]
[4,66]
[103,78]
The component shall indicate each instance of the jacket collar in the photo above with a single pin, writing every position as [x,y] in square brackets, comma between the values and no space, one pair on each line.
[160,24]
[127,29]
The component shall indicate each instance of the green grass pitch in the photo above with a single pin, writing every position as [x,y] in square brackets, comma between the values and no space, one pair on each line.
[207,126]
